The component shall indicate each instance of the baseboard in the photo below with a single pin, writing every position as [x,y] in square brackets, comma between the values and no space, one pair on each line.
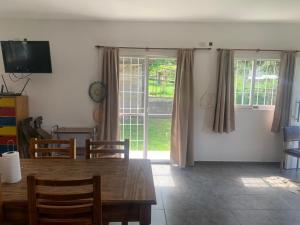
[235,163]
[222,163]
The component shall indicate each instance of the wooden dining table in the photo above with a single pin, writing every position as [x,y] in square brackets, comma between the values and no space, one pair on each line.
[127,187]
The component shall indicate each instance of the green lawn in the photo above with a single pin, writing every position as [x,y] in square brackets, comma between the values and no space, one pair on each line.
[162,73]
[161,88]
[159,134]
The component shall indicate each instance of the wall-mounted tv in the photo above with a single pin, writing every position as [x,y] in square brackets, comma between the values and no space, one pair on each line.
[26,56]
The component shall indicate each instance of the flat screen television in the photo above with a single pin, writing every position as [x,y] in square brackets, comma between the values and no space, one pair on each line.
[26,56]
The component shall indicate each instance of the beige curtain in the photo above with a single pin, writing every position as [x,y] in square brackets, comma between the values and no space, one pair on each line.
[224,118]
[109,125]
[182,130]
[284,91]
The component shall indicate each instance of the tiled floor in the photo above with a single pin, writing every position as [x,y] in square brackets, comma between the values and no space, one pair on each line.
[227,194]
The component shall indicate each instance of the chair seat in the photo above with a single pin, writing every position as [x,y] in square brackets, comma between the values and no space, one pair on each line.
[293,152]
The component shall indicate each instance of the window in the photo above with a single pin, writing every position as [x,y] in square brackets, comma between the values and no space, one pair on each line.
[255,82]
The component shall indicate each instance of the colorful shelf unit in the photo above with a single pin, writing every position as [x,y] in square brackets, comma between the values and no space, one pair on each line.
[13,109]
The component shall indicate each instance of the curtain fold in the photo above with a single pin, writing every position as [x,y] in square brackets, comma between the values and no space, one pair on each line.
[182,115]
[224,117]
[284,91]
[109,125]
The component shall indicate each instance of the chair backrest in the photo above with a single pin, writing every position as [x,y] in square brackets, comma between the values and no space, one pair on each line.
[106,149]
[49,204]
[52,149]
[291,133]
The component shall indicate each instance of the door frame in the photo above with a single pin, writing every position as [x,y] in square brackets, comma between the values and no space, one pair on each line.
[147,54]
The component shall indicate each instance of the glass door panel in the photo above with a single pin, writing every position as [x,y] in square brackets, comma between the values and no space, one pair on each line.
[161,85]
[131,103]
[146,99]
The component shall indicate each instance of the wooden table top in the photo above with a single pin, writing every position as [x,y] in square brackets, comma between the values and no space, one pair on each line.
[122,181]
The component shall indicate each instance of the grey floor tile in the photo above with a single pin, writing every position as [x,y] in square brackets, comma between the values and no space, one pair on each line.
[157,217]
[191,200]
[159,201]
[255,202]
[286,217]
[254,217]
[201,217]
[291,198]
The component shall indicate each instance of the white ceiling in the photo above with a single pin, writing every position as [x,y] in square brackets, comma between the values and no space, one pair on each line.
[155,10]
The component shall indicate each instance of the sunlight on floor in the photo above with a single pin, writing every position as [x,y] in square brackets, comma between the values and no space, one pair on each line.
[276,181]
[161,170]
[153,155]
[162,176]
[273,181]
[254,182]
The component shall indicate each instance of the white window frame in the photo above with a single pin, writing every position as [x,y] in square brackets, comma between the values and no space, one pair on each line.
[244,55]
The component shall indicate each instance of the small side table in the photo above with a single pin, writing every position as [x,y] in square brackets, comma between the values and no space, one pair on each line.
[56,130]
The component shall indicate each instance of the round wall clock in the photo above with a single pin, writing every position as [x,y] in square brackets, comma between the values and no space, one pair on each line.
[97,91]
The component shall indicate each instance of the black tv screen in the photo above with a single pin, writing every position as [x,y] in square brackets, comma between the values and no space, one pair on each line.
[26,56]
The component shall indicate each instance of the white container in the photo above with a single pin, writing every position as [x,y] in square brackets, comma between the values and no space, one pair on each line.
[10,168]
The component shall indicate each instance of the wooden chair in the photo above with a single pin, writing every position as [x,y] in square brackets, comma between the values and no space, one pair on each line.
[291,135]
[106,149]
[78,207]
[54,149]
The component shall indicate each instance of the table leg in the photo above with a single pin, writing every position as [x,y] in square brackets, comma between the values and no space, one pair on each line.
[145,215]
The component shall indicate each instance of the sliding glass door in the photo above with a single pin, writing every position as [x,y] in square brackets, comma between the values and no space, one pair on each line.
[132,103]
[146,100]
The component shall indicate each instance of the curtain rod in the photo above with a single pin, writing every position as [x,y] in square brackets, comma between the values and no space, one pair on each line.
[148,48]
[260,50]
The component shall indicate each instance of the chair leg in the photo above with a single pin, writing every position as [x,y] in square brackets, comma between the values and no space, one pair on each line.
[124,223]
[297,164]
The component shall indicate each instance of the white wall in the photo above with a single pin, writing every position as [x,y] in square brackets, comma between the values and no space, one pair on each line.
[62,98]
